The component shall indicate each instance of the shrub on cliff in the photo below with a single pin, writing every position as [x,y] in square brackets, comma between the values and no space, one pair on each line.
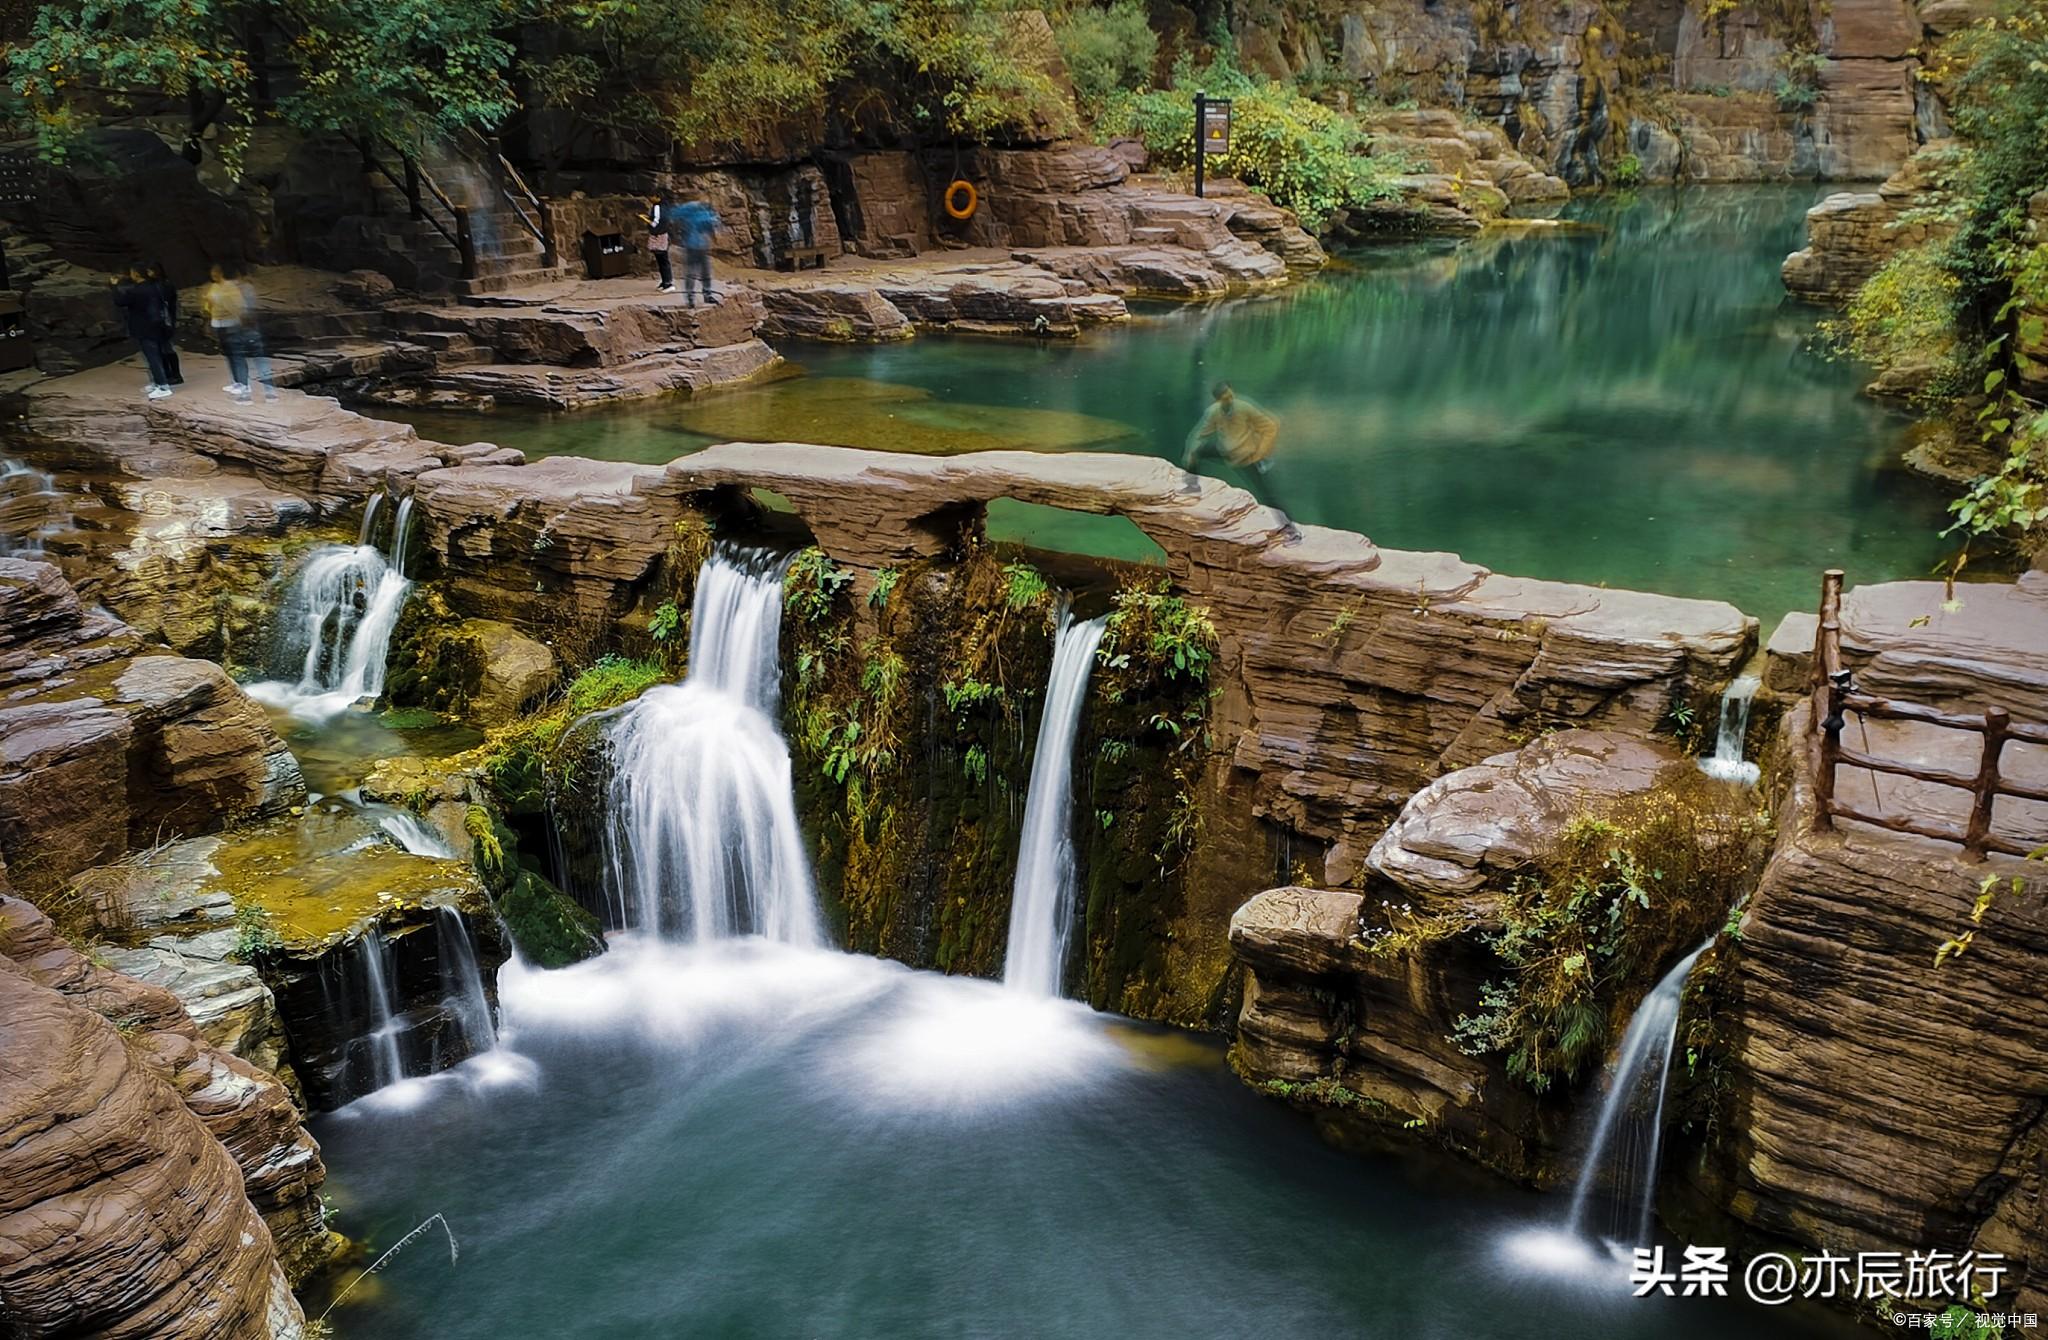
[1615,898]
[1108,50]
[1905,315]
[1313,159]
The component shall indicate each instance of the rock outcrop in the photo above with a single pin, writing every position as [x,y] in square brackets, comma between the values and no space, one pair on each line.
[1840,1023]
[1850,234]
[1464,175]
[116,1063]
[104,746]
[1336,999]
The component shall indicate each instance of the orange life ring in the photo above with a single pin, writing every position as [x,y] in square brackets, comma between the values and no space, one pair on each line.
[962,211]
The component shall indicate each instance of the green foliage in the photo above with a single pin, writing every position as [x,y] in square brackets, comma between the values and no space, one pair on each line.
[1323,1092]
[256,936]
[1151,623]
[1798,85]
[1627,171]
[407,70]
[665,621]
[1313,159]
[549,928]
[1905,313]
[1615,895]
[885,583]
[1024,587]
[2015,497]
[1108,50]
[719,73]
[519,757]
[812,586]
[974,764]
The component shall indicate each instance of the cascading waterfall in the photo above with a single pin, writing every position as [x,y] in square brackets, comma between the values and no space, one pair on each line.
[703,841]
[462,984]
[1042,903]
[1629,1136]
[336,624]
[386,1063]
[1727,762]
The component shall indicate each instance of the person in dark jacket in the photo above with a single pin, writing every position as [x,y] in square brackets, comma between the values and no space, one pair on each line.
[159,276]
[141,305]
[663,227]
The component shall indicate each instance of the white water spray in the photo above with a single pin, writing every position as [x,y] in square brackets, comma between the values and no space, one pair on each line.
[1727,762]
[414,835]
[1629,1136]
[703,842]
[1042,903]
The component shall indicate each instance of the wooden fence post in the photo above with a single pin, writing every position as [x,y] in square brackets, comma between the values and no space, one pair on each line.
[1984,791]
[1827,705]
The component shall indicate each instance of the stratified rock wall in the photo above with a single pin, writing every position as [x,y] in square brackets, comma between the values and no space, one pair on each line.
[1884,1102]
[103,748]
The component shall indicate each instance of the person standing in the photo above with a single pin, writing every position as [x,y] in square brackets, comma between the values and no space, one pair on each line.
[141,306]
[173,375]
[698,226]
[231,313]
[662,226]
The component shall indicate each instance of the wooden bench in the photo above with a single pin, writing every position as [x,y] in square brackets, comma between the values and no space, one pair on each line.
[799,258]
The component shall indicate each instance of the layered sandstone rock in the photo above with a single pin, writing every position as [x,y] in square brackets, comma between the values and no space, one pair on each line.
[1465,174]
[1841,1023]
[1850,234]
[1324,1003]
[103,747]
[241,1109]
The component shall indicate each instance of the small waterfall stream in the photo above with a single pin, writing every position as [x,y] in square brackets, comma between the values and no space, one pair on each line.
[1629,1136]
[414,835]
[1727,762]
[462,984]
[386,1061]
[336,622]
[703,842]
[1042,905]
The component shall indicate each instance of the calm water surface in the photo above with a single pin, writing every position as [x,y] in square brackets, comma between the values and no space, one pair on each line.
[753,1141]
[1634,403]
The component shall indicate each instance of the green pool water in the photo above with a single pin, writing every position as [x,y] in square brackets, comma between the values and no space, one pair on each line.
[1628,401]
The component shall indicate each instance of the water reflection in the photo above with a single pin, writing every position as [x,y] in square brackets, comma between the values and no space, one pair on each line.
[1627,400]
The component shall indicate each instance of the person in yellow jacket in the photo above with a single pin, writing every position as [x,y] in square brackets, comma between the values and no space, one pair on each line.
[231,313]
[1244,435]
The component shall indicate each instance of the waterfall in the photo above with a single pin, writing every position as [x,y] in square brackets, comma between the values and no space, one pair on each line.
[1042,903]
[1727,763]
[703,841]
[367,532]
[462,984]
[386,1063]
[1630,1133]
[413,834]
[336,623]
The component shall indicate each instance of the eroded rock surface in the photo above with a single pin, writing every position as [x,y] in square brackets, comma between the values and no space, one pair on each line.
[103,746]
[1324,1003]
[158,1075]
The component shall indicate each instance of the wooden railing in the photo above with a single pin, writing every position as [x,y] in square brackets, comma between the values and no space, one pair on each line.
[419,189]
[523,200]
[1835,694]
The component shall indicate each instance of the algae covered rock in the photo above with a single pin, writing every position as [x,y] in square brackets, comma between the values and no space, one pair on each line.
[548,927]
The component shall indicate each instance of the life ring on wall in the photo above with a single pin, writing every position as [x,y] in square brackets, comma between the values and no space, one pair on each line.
[957,208]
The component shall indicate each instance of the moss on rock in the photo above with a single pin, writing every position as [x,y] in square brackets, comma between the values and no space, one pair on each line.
[549,928]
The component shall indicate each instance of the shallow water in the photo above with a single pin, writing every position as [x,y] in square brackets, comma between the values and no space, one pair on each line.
[745,1139]
[1634,403]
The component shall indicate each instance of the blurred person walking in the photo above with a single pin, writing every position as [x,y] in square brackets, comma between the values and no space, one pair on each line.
[231,313]
[1244,435]
[698,225]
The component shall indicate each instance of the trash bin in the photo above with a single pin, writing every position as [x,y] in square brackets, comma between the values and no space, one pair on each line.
[15,350]
[606,255]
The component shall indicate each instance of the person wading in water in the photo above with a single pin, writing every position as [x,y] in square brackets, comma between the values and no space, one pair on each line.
[1244,436]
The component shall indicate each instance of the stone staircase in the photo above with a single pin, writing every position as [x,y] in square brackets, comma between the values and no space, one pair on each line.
[381,231]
